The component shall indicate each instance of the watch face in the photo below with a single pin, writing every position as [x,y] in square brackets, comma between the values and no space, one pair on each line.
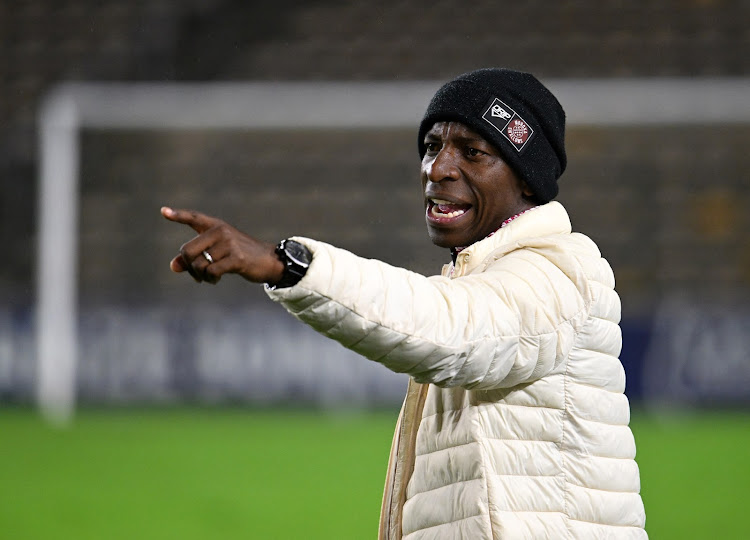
[297,253]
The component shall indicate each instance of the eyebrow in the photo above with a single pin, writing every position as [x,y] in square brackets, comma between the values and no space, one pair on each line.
[459,138]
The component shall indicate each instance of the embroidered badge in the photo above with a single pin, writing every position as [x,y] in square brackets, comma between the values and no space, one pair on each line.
[508,122]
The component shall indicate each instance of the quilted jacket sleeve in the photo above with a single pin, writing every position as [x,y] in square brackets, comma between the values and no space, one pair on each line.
[511,323]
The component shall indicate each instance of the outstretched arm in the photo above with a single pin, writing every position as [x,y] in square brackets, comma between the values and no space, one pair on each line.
[221,249]
[510,324]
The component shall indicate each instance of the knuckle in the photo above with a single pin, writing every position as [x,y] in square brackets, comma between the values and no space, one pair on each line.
[212,273]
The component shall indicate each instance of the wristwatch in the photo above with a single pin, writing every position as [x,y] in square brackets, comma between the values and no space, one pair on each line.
[296,259]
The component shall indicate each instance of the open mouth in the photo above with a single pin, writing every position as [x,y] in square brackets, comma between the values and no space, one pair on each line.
[442,210]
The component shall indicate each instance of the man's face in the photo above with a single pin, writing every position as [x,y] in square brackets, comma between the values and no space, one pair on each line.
[469,190]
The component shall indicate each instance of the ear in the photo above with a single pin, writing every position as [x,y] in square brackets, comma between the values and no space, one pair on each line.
[526,190]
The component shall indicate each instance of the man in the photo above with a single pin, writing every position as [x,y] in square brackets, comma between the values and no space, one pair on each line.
[515,424]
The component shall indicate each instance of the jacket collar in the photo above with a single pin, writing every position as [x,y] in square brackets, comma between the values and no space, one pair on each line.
[545,220]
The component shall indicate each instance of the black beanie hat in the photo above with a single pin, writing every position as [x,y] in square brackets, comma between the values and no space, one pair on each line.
[516,114]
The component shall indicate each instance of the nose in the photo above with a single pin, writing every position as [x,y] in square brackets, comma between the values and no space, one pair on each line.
[443,166]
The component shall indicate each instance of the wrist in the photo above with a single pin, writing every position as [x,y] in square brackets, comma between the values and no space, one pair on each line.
[277,269]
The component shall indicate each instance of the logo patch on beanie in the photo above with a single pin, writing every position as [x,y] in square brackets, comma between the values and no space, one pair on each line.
[509,123]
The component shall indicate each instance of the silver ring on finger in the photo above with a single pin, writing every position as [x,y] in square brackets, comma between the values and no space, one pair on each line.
[208,257]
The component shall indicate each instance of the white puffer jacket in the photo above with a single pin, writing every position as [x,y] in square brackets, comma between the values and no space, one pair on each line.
[515,424]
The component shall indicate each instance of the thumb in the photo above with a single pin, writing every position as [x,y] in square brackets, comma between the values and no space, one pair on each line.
[178,264]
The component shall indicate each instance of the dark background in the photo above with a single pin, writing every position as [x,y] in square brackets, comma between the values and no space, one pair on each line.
[665,204]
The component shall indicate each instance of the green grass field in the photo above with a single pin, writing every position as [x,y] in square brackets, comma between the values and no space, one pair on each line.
[240,473]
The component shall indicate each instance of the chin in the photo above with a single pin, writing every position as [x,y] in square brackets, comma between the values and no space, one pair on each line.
[444,240]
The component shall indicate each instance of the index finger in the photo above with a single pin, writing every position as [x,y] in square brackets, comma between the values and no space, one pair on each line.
[198,221]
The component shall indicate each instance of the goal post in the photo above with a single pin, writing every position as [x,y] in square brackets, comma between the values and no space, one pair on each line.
[71,107]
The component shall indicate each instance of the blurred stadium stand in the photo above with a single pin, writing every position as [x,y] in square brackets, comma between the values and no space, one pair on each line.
[666,204]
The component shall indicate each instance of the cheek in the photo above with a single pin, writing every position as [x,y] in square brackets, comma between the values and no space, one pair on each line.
[426,168]
[490,203]
[423,179]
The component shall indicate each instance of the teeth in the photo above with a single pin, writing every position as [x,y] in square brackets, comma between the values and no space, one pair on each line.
[453,214]
[440,201]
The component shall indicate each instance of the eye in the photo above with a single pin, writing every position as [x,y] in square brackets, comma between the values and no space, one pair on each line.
[431,147]
[473,152]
